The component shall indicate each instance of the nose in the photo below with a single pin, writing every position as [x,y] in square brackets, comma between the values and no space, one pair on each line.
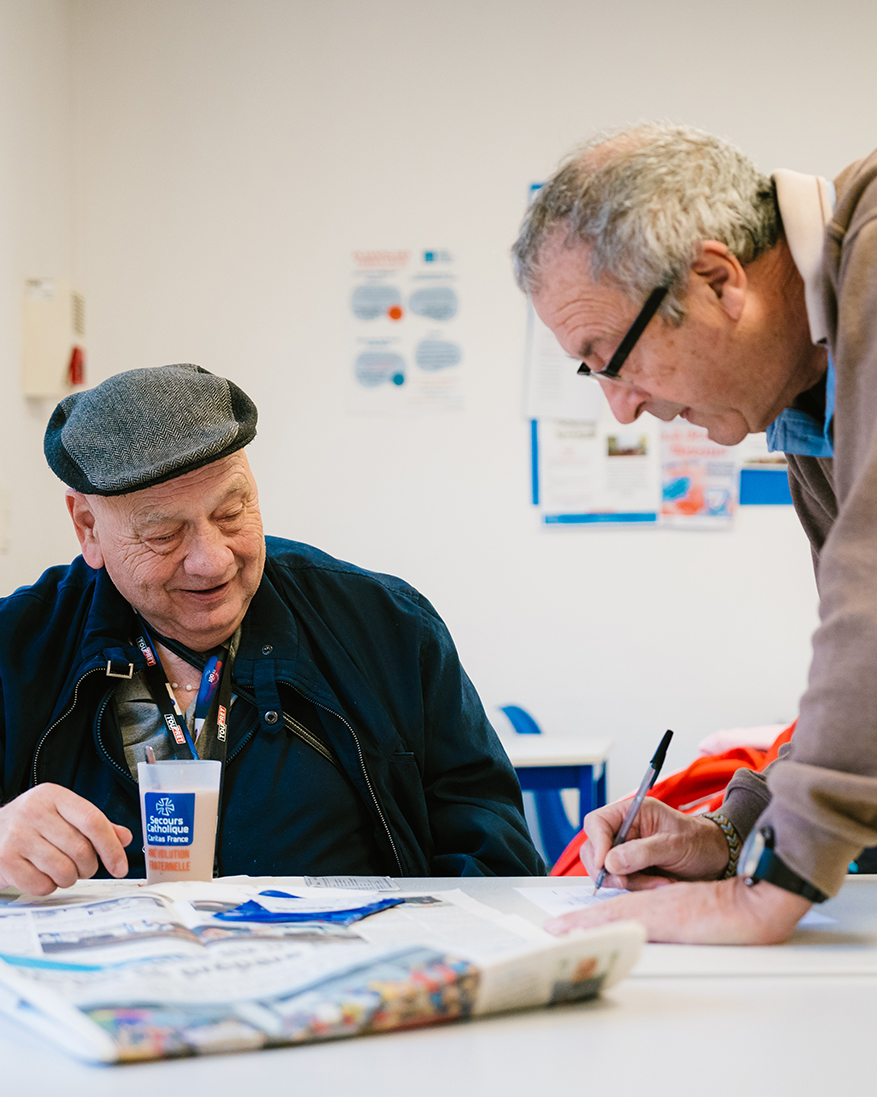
[626,401]
[208,555]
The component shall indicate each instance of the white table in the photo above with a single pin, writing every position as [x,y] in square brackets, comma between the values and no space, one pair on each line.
[652,1036]
[561,761]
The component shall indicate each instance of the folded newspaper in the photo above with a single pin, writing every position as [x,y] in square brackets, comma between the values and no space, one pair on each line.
[119,973]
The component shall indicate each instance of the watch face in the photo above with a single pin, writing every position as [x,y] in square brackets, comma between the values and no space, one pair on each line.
[751,853]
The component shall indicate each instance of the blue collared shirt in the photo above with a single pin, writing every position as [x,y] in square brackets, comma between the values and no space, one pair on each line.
[795,431]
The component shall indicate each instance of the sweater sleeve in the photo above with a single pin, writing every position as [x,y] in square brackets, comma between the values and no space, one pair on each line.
[823,804]
[745,799]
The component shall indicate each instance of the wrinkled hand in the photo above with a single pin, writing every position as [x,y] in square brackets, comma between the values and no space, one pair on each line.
[51,837]
[721,912]
[672,845]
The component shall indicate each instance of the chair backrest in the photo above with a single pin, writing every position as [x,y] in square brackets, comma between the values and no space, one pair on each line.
[555,829]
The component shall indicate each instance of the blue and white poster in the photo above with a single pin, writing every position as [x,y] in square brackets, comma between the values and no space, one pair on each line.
[587,473]
[406,353]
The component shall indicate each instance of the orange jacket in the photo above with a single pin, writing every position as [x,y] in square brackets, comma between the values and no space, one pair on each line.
[697,788]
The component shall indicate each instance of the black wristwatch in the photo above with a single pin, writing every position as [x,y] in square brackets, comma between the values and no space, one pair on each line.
[759,862]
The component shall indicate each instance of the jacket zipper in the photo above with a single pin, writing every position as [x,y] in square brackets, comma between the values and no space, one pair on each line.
[298,729]
[368,782]
[97,721]
[63,716]
[326,708]
[294,726]
[249,734]
[308,737]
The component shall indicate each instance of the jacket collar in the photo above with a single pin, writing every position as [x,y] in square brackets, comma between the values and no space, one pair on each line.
[270,633]
[109,626]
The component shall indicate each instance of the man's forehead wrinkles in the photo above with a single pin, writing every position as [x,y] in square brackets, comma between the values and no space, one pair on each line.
[567,325]
[588,319]
[155,513]
[153,518]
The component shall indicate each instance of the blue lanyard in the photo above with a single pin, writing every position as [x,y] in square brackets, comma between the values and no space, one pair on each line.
[210,678]
[211,706]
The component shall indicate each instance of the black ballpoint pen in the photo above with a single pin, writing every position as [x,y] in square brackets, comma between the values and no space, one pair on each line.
[636,803]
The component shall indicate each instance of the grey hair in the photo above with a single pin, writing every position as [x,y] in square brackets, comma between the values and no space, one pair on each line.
[642,200]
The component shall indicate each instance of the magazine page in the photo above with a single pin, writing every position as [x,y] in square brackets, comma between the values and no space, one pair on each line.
[149,974]
[567,969]
[132,926]
[454,921]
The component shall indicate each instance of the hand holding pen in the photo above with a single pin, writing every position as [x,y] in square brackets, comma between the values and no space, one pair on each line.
[651,775]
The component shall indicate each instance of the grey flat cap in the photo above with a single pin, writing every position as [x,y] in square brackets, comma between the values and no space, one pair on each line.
[146,426]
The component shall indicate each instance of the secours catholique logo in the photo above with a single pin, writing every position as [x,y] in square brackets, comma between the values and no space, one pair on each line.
[169,820]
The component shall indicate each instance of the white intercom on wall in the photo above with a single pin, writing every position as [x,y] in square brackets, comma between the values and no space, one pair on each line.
[53,338]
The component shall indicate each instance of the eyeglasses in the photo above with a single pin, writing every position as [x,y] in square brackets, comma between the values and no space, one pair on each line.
[653,303]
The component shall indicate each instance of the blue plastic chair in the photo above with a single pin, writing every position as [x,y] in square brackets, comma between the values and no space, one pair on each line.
[555,830]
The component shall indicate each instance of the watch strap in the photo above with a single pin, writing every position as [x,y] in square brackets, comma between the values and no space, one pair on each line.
[776,871]
[731,837]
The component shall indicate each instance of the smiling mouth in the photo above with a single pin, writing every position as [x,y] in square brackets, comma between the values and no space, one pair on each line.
[207,592]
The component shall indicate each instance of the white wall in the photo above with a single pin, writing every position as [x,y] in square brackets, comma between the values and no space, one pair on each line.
[230,154]
[36,196]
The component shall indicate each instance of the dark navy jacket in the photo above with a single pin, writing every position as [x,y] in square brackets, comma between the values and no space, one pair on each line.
[362,655]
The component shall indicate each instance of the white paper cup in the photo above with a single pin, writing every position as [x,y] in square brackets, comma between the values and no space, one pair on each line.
[178,807]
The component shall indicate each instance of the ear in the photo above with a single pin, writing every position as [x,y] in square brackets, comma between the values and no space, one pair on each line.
[85,524]
[723,274]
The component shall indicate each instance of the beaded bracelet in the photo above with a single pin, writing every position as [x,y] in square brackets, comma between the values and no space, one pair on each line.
[731,837]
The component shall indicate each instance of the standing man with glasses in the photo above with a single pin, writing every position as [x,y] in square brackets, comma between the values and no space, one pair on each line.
[687,283]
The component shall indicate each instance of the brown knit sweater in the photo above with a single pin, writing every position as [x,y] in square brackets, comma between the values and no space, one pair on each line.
[821,796]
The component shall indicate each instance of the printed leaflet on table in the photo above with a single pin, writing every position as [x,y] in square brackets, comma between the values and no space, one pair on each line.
[133,973]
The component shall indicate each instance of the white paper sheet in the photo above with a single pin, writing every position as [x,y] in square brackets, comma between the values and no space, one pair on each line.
[553,388]
[557,901]
[809,951]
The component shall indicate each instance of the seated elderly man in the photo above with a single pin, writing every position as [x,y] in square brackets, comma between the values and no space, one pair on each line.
[355,741]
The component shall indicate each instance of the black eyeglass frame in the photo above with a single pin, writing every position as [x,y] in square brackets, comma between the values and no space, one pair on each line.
[612,370]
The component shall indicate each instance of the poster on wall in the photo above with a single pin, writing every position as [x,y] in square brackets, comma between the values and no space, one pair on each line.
[588,469]
[553,389]
[764,476]
[406,356]
[699,478]
[596,472]
[645,473]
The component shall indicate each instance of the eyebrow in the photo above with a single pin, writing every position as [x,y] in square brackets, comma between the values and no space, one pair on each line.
[156,517]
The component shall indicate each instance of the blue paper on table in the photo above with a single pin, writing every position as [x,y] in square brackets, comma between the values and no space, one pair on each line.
[307,910]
